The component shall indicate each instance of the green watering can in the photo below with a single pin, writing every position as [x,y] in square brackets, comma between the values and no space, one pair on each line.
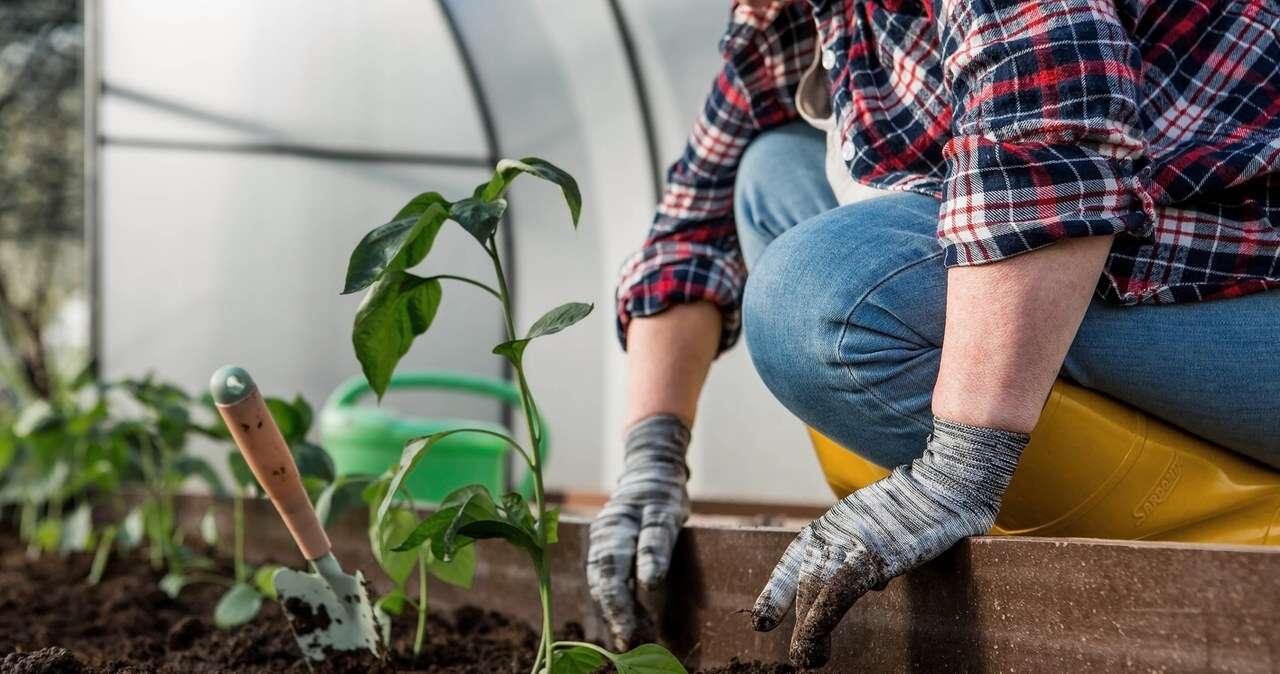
[365,440]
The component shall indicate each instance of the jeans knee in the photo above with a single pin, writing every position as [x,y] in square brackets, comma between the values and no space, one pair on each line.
[843,318]
[780,181]
[786,331]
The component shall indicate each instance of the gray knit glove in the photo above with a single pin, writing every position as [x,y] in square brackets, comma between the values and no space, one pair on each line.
[643,516]
[886,529]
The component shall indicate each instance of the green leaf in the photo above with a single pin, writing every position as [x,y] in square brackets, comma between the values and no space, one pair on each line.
[478,517]
[435,524]
[8,449]
[238,606]
[36,417]
[209,526]
[576,660]
[508,169]
[132,529]
[339,498]
[172,584]
[462,506]
[85,376]
[413,453]
[264,580]
[398,308]
[480,529]
[388,530]
[551,322]
[48,534]
[391,603]
[313,486]
[469,504]
[513,350]
[397,245]
[240,471]
[559,318]
[516,511]
[388,605]
[286,418]
[479,217]
[77,529]
[305,415]
[647,659]
[45,488]
[312,461]
[459,571]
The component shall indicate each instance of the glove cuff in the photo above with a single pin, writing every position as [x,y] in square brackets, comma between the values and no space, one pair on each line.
[973,455]
[660,437]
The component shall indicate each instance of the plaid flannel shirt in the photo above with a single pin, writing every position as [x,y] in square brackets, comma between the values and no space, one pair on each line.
[1031,121]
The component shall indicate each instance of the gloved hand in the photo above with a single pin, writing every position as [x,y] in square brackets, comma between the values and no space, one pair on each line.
[643,516]
[885,529]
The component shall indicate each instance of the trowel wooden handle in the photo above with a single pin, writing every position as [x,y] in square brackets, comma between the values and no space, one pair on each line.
[264,449]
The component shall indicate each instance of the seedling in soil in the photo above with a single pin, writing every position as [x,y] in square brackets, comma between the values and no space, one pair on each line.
[75,447]
[400,306]
[385,533]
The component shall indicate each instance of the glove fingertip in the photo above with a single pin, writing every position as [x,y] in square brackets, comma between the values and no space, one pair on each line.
[810,654]
[650,572]
[765,617]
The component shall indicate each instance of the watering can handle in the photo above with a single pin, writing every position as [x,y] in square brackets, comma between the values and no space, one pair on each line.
[350,392]
[256,434]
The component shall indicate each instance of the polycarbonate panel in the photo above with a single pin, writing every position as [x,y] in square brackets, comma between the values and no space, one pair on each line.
[379,76]
[677,43]
[213,258]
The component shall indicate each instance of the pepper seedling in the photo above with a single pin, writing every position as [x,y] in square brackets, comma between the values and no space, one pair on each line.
[385,534]
[398,307]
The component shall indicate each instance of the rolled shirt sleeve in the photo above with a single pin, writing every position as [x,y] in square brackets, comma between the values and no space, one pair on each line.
[691,253]
[1046,140]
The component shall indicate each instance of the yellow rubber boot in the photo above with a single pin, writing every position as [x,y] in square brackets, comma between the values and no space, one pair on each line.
[1098,468]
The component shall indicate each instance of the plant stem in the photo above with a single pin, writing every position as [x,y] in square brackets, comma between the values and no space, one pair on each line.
[105,539]
[422,603]
[473,282]
[238,516]
[526,400]
[571,644]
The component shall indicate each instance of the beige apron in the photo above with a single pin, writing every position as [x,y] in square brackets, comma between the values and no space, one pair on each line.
[813,102]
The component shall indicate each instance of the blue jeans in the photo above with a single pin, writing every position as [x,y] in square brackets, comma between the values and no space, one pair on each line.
[844,311]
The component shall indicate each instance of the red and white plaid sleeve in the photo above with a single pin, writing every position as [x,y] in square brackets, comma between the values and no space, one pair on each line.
[691,253]
[1046,136]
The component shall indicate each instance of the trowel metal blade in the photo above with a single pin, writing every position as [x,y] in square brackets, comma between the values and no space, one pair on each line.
[327,613]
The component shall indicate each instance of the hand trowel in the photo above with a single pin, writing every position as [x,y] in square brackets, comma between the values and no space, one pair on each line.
[328,609]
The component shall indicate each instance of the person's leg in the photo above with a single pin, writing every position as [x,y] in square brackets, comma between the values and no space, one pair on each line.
[843,316]
[1206,367]
[781,182]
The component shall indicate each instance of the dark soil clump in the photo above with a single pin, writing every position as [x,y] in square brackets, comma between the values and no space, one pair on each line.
[304,619]
[53,622]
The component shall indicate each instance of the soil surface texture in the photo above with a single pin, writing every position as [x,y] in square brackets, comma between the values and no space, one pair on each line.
[53,622]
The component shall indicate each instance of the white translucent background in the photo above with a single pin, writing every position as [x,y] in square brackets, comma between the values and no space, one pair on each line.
[219,243]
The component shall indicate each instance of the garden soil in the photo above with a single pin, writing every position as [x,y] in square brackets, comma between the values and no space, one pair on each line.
[52,622]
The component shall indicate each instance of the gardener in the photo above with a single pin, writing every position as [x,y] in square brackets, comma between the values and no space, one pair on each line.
[989,168]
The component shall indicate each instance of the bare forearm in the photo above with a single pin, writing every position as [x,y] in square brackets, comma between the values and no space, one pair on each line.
[1009,325]
[668,357]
